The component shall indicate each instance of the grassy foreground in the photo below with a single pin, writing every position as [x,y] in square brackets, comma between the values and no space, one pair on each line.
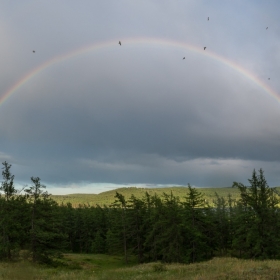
[82,266]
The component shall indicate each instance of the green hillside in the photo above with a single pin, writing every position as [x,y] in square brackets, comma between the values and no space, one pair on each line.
[106,198]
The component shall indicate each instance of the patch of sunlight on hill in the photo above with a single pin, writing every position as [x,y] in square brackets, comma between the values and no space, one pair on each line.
[106,198]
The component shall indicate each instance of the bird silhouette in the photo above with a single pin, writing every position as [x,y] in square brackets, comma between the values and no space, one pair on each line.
[184,58]
[269,78]
[34,51]
[204,48]
[120,43]
[208,18]
[267,28]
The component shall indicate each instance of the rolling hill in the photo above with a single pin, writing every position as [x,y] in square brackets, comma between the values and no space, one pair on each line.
[106,198]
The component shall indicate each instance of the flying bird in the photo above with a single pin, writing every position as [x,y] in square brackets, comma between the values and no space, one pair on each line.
[34,51]
[184,58]
[267,28]
[120,43]
[208,18]
[269,78]
[204,48]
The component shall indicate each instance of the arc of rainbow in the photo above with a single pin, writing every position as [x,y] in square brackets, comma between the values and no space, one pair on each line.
[149,41]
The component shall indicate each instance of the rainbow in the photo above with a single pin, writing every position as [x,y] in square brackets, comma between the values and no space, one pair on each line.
[129,41]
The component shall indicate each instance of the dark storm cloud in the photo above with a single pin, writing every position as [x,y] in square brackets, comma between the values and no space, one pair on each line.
[139,113]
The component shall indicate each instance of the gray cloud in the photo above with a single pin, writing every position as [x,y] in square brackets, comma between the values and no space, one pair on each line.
[139,113]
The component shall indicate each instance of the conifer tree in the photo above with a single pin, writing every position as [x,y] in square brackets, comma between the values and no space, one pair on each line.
[136,216]
[122,204]
[222,224]
[154,228]
[67,213]
[242,220]
[172,236]
[195,222]
[262,234]
[117,233]
[100,229]
[46,237]
[7,185]
[12,213]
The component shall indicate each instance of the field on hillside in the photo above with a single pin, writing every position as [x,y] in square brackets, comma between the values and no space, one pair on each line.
[104,267]
[106,198]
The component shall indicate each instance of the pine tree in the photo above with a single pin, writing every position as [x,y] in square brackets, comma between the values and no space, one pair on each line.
[260,202]
[100,229]
[136,216]
[197,243]
[154,228]
[99,243]
[114,234]
[67,213]
[117,233]
[222,224]
[172,236]
[242,221]
[7,185]
[121,203]
[46,237]
[12,213]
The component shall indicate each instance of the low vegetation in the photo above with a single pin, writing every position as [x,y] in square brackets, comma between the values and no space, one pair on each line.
[104,267]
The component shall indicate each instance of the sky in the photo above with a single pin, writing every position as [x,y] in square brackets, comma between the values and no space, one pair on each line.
[86,114]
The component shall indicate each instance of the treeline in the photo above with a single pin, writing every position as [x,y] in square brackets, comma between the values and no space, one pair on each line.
[152,228]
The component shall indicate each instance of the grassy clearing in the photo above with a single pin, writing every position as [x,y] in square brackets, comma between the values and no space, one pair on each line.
[216,269]
[102,267]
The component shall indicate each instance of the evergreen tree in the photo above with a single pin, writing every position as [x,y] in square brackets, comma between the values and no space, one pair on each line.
[117,232]
[67,213]
[7,185]
[262,220]
[135,216]
[46,237]
[100,230]
[86,228]
[173,235]
[12,213]
[197,243]
[154,228]
[242,220]
[222,224]
[121,203]
[114,234]
[99,243]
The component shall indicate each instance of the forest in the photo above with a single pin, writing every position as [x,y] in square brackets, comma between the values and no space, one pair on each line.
[151,228]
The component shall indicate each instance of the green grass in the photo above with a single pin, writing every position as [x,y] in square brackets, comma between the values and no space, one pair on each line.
[103,267]
[71,266]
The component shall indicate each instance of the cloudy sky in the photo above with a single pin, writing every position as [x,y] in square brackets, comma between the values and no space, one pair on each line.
[86,114]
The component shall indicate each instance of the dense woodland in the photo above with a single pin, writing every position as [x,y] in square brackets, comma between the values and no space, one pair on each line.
[151,228]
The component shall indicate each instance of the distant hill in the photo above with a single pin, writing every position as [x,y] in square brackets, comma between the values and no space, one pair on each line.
[106,198]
